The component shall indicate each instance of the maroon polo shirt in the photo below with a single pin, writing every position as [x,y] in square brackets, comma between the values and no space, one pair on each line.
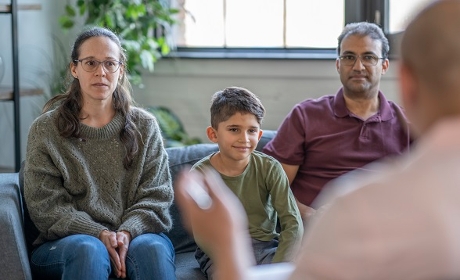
[326,140]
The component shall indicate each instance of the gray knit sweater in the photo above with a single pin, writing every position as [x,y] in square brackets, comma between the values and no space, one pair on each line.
[79,186]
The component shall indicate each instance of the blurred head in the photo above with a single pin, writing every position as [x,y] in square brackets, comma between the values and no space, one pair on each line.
[232,100]
[430,65]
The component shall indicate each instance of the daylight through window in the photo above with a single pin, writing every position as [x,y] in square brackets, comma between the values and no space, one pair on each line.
[259,23]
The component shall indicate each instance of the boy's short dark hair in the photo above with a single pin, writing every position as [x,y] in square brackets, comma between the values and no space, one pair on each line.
[225,103]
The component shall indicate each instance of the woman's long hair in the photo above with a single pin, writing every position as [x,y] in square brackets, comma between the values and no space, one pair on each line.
[69,104]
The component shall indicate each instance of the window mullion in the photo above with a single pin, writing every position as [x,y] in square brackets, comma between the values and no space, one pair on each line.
[378,13]
[355,10]
[375,11]
[225,22]
[284,24]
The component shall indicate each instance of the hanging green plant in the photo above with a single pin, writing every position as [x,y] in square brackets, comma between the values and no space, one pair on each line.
[143,26]
[172,130]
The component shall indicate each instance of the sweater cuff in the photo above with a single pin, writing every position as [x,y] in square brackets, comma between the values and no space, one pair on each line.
[134,226]
[83,226]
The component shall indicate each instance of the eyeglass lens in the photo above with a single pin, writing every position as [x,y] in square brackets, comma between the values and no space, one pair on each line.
[91,65]
[366,60]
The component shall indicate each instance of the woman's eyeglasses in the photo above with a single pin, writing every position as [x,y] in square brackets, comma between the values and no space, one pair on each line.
[90,64]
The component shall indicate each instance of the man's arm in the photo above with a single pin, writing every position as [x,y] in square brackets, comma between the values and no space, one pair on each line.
[284,203]
[291,171]
[305,211]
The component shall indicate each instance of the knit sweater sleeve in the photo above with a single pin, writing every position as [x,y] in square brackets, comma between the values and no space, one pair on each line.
[149,211]
[49,203]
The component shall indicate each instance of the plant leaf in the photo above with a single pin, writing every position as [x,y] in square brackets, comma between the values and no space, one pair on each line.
[140,24]
[70,10]
[109,20]
[66,22]
[171,127]
[147,60]
[82,9]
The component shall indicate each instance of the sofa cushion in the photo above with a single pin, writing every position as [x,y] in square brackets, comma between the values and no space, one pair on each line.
[179,158]
[187,267]
[15,262]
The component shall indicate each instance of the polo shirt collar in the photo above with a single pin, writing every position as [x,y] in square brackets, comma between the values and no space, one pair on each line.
[341,111]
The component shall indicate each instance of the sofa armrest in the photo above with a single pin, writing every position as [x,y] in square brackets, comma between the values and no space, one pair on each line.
[14,258]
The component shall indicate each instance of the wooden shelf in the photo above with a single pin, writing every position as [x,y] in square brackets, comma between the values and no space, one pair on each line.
[6,169]
[7,8]
[7,93]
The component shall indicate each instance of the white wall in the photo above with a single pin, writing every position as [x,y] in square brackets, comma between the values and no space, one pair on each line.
[35,54]
[183,85]
[186,86]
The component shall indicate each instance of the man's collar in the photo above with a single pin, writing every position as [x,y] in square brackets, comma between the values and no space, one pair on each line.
[341,110]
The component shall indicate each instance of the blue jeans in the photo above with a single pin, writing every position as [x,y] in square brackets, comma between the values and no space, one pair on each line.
[150,256]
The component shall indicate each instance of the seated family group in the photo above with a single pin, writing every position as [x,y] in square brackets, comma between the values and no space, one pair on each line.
[96,173]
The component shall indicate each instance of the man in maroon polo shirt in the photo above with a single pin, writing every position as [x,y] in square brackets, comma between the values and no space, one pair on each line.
[321,139]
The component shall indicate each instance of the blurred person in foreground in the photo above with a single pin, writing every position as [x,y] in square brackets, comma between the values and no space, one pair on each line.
[401,223]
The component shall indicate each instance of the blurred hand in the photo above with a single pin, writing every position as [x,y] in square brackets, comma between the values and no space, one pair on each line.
[221,230]
[306,212]
[218,224]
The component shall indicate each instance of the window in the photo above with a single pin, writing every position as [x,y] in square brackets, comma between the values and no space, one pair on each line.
[260,23]
[401,12]
[278,28]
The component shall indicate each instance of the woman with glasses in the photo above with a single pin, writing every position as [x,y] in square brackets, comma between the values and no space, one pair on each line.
[97,181]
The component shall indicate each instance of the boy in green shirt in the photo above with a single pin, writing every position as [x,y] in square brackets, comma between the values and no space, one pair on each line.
[258,180]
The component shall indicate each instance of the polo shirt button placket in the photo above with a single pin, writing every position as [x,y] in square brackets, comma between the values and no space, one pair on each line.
[363,133]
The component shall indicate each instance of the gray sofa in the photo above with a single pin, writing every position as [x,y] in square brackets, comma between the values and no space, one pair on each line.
[17,232]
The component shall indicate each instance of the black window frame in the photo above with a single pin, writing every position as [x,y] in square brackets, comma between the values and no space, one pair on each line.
[376,11]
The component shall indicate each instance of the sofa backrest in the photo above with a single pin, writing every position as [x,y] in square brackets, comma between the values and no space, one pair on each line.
[180,158]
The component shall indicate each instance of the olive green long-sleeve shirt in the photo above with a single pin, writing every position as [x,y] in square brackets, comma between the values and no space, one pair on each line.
[263,189]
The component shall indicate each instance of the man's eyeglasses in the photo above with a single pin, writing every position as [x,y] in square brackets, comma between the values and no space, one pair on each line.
[366,60]
[90,65]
